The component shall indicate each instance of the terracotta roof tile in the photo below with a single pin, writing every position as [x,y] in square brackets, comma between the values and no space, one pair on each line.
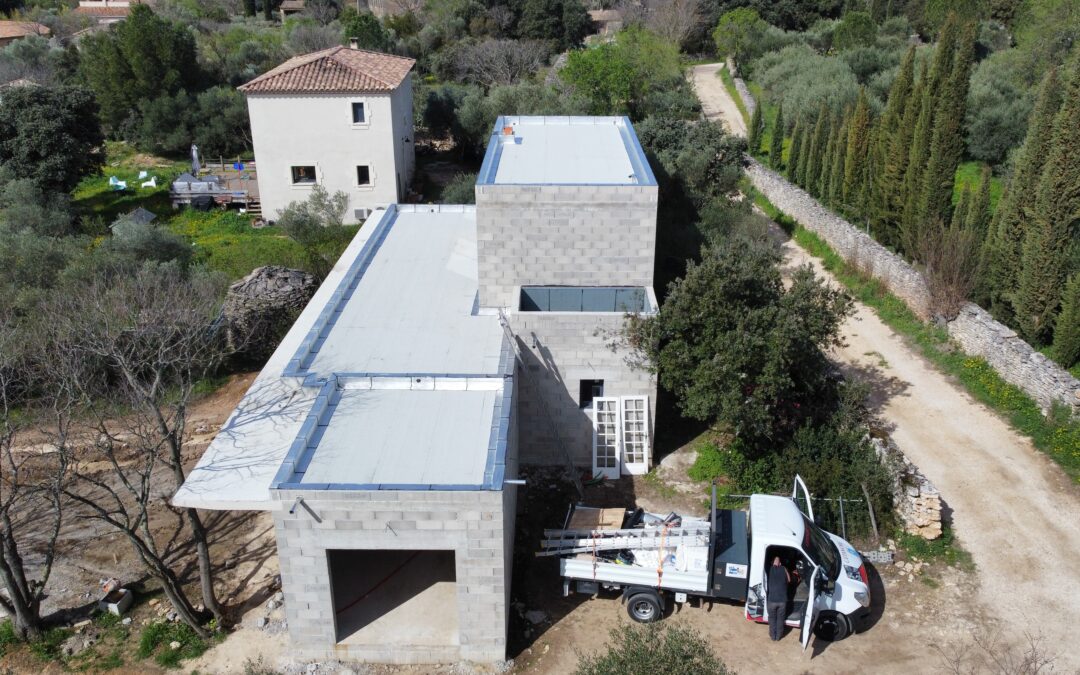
[18,29]
[103,11]
[337,70]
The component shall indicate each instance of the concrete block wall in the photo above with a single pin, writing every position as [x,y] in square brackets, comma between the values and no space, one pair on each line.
[476,525]
[563,235]
[561,349]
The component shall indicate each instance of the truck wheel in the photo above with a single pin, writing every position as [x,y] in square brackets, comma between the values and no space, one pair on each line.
[643,608]
[832,627]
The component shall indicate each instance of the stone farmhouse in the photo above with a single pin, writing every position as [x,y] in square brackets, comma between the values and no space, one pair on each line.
[449,344]
[341,118]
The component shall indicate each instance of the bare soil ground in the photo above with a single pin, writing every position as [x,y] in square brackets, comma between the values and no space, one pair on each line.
[242,547]
[1011,507]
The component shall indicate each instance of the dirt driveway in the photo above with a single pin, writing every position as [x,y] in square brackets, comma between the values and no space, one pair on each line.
[715,102]
[1012,508]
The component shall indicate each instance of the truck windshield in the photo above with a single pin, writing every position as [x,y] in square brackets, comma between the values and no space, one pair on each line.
[821,549]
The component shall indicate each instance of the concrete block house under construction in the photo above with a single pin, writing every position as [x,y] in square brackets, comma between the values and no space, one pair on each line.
[448,345]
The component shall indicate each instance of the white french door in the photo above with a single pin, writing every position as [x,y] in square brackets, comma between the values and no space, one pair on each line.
[635,434]
[606,439]
[621,436]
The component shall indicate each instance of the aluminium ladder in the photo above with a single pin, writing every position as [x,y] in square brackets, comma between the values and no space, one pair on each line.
[565,542]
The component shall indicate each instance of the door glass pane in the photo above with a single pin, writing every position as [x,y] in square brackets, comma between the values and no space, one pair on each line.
[635,439]
[607,438]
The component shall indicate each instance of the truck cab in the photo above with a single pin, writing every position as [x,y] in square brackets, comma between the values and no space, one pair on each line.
[829,590]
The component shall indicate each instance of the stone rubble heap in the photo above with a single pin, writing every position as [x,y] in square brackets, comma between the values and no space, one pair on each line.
[916,501]
[261,307]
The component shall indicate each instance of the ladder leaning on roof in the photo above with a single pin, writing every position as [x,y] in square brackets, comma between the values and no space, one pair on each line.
[570,470]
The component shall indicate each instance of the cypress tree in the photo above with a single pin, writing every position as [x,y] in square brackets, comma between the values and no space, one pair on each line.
[805,148]
[887,128]
[960,213]
[817,149]
[1005,244]
[776,143]
[978,215]
[794,151]
[894,171]
[825,170]
[1067,330]
[857,146]
[1045,261]
[836,173]
[947,144]
[757,125]
[919,154]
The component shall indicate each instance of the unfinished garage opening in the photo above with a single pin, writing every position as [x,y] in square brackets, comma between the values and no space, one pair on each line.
[406,598]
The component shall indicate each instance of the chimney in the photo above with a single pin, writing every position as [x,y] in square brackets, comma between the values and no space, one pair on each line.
[354,43]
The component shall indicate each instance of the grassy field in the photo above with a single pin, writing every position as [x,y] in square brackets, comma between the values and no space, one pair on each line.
[222,240]
[969,174]
[1057,435]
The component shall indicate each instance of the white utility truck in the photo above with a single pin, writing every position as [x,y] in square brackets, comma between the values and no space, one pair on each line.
[652,559]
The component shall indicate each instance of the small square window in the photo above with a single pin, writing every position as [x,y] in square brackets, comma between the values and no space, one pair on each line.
[358,114]
[590,389]
[363,175]
[303,175]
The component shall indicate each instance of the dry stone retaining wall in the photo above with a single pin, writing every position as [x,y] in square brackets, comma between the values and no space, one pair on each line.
[979,334]
[915,499]
[744,92]
[852,244]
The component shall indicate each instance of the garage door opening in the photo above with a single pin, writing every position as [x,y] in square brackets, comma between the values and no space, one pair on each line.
[406,598]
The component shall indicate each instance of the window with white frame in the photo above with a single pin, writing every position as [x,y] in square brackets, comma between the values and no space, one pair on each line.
[359,113]
[363,175]
[303,175]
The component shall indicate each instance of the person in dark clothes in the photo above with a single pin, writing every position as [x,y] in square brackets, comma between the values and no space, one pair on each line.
[777,598]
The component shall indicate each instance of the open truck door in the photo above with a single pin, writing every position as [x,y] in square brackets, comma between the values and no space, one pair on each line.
[798,487]
[811,615]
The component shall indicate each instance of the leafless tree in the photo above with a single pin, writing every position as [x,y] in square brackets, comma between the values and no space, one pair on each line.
[151,336]
[30,503]
[675,20]
[493,62]
[395,7]
[322,11]
[306,38]
[950,256]
[990,653]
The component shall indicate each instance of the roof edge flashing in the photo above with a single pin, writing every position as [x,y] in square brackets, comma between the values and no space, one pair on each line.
[488,175]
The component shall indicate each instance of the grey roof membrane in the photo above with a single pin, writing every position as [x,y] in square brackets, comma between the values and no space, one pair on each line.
[564,151]
[387,380]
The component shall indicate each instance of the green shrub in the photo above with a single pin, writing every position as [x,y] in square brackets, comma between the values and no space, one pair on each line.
[7,636]
[653,648]
[943,549]
[48,647]
[460,190]
[156,638]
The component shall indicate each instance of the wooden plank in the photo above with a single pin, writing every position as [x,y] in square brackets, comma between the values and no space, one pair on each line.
[589,518]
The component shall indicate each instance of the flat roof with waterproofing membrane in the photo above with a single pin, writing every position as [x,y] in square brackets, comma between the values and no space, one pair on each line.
[559,150]
[388,380]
